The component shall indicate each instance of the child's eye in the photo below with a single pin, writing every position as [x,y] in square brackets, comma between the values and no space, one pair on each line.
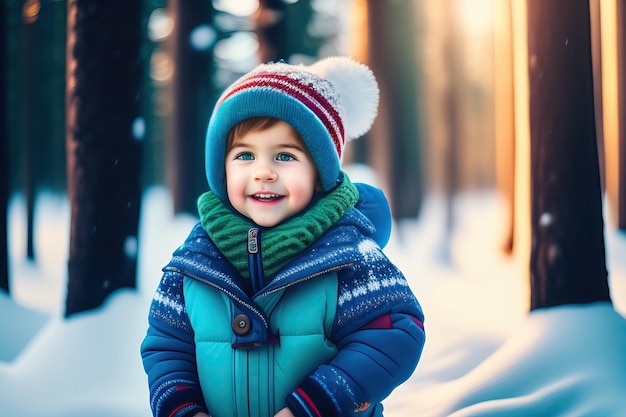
[245,156]
[285,157]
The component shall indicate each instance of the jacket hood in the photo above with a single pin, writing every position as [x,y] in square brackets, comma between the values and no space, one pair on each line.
[374,205]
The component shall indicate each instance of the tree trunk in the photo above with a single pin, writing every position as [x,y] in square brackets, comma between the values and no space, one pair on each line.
[52,170]
[452,111]
[31,116]
[42,84]
[392,52]
[271,30]
[4,150]
[193,100]
[283,30]
[103,148]
[621,74]
[567,255]
[504,123]
[596,60]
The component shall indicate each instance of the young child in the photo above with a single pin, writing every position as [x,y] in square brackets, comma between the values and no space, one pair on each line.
[281,301]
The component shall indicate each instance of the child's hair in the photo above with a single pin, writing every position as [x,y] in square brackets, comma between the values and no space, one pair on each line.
[253,124]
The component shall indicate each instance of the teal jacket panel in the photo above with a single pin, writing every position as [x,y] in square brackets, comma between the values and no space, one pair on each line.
[255,381]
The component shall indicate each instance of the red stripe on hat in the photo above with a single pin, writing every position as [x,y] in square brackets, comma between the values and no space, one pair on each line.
[304,93]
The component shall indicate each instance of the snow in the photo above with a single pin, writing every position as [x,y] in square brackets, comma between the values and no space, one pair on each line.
[485,354]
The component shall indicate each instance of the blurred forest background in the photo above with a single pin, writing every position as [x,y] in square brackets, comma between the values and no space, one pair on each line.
[104,99]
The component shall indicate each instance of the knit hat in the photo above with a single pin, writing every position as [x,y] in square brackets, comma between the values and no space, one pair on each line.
[327,103]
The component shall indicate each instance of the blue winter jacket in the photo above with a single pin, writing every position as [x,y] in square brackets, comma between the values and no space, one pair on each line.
[332,333]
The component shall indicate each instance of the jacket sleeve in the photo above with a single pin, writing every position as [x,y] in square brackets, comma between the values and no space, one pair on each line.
[379,334]
[168,353]
[371,362]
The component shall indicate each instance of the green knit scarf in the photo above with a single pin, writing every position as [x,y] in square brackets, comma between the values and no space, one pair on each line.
[281,243]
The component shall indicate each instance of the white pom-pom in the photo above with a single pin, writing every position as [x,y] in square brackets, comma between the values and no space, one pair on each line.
[357,89]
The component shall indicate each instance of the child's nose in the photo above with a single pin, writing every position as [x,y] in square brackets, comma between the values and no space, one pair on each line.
[264,173]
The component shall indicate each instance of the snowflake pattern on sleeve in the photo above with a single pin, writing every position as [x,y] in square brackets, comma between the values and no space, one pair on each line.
[168,304]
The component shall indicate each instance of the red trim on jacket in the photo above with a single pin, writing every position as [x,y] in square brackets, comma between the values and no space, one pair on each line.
[308,401]
[177,409]
[384,322]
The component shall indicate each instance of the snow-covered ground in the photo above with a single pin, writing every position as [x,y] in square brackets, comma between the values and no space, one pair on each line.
[485,355]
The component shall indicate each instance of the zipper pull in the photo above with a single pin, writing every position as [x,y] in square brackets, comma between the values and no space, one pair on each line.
[253,242]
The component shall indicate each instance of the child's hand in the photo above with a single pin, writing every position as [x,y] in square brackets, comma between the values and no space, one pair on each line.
[285,412]
[201,415]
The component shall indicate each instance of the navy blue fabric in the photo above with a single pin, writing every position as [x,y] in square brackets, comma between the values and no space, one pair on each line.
[169,360]
[376,359]
[370,362]
[374,205]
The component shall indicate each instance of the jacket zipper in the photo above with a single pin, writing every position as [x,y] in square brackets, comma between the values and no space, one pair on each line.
[308,277]
[255,263]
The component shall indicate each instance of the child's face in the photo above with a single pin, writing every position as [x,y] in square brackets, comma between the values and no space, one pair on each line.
[270,175]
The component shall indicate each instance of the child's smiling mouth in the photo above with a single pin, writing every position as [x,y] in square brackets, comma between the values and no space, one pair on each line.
[266,197]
